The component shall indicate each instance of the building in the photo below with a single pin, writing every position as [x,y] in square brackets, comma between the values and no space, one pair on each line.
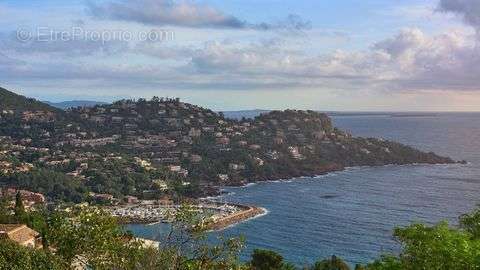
[236,167]
[223,177]
[223,141]
[175,168]
[195,158]
[28,197]
[21,234]
[254,147]
[295,153]
[130,199]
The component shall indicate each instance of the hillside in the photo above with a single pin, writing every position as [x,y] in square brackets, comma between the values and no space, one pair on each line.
[167,148]
[18,103]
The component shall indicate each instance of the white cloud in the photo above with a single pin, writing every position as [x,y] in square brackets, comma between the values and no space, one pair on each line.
[185,14]
[410,60]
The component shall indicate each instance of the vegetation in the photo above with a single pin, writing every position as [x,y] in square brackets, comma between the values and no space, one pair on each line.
[86,236]
[12,101]
[164,147]
[104,149]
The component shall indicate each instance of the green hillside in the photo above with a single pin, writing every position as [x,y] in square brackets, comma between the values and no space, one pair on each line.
[12,101]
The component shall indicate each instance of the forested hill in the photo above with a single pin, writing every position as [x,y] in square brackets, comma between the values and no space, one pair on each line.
[165,147]
[18,103]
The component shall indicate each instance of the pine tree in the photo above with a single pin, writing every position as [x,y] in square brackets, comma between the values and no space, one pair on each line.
[19,207]
[4,211]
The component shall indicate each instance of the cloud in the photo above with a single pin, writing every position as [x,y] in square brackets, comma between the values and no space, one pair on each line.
[408,61]
[469,10]
[60,44]
[184,14]
[448,61]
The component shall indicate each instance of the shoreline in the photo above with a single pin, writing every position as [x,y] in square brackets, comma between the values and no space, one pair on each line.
[250,212]
[323,174]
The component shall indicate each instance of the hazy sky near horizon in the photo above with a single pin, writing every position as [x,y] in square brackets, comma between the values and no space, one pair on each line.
[374,55]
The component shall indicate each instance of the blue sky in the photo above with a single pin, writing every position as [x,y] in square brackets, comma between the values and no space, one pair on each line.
[328,55]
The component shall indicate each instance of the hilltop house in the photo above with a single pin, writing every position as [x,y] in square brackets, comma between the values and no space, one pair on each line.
[21,234]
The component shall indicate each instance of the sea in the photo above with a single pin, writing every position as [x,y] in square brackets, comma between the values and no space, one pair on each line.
[352,214]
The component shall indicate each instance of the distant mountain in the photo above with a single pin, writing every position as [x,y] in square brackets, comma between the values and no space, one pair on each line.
[249,114]
[18,103]
[75,103]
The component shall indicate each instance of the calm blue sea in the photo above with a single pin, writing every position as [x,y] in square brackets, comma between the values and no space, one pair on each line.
[352,213]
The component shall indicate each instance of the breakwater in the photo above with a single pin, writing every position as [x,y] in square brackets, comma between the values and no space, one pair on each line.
[245,213]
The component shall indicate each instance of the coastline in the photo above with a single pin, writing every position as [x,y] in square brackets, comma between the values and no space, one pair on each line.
[321,174]
[247,212]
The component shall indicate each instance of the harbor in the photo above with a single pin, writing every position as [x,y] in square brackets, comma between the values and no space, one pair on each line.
[215,215]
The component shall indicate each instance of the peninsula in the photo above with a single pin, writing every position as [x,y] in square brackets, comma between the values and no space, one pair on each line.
[165,149]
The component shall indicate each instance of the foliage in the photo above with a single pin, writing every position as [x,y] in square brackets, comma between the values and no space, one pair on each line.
[10,100]
[471,223]
[19,208]
[91,237]
[55,185]
[185,246]
[268,260]
[88,236]
[333,263]
[15,257]
[437,247]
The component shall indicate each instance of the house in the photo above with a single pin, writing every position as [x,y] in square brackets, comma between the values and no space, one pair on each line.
[319,135]
[295,153]
[254,147]
[365,151]
[273,154]
[223,177]
[97,119]
[242,143]
[259,161]
[223,141]
[21,234]
[175,168]
[194,132]
[195,158]
[236,167]
[131,199]
[183,173]
[103,197]
[278,140]
[28,197]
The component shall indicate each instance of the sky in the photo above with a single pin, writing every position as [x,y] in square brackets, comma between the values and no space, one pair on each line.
[345,55]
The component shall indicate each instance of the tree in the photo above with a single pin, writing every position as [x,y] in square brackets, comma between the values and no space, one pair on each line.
[186,245]
[471,223]
[437,247]
[19,207]
[268,260]
[4,210]
[91,237]
[359,267]
[333,263]
[15,257]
